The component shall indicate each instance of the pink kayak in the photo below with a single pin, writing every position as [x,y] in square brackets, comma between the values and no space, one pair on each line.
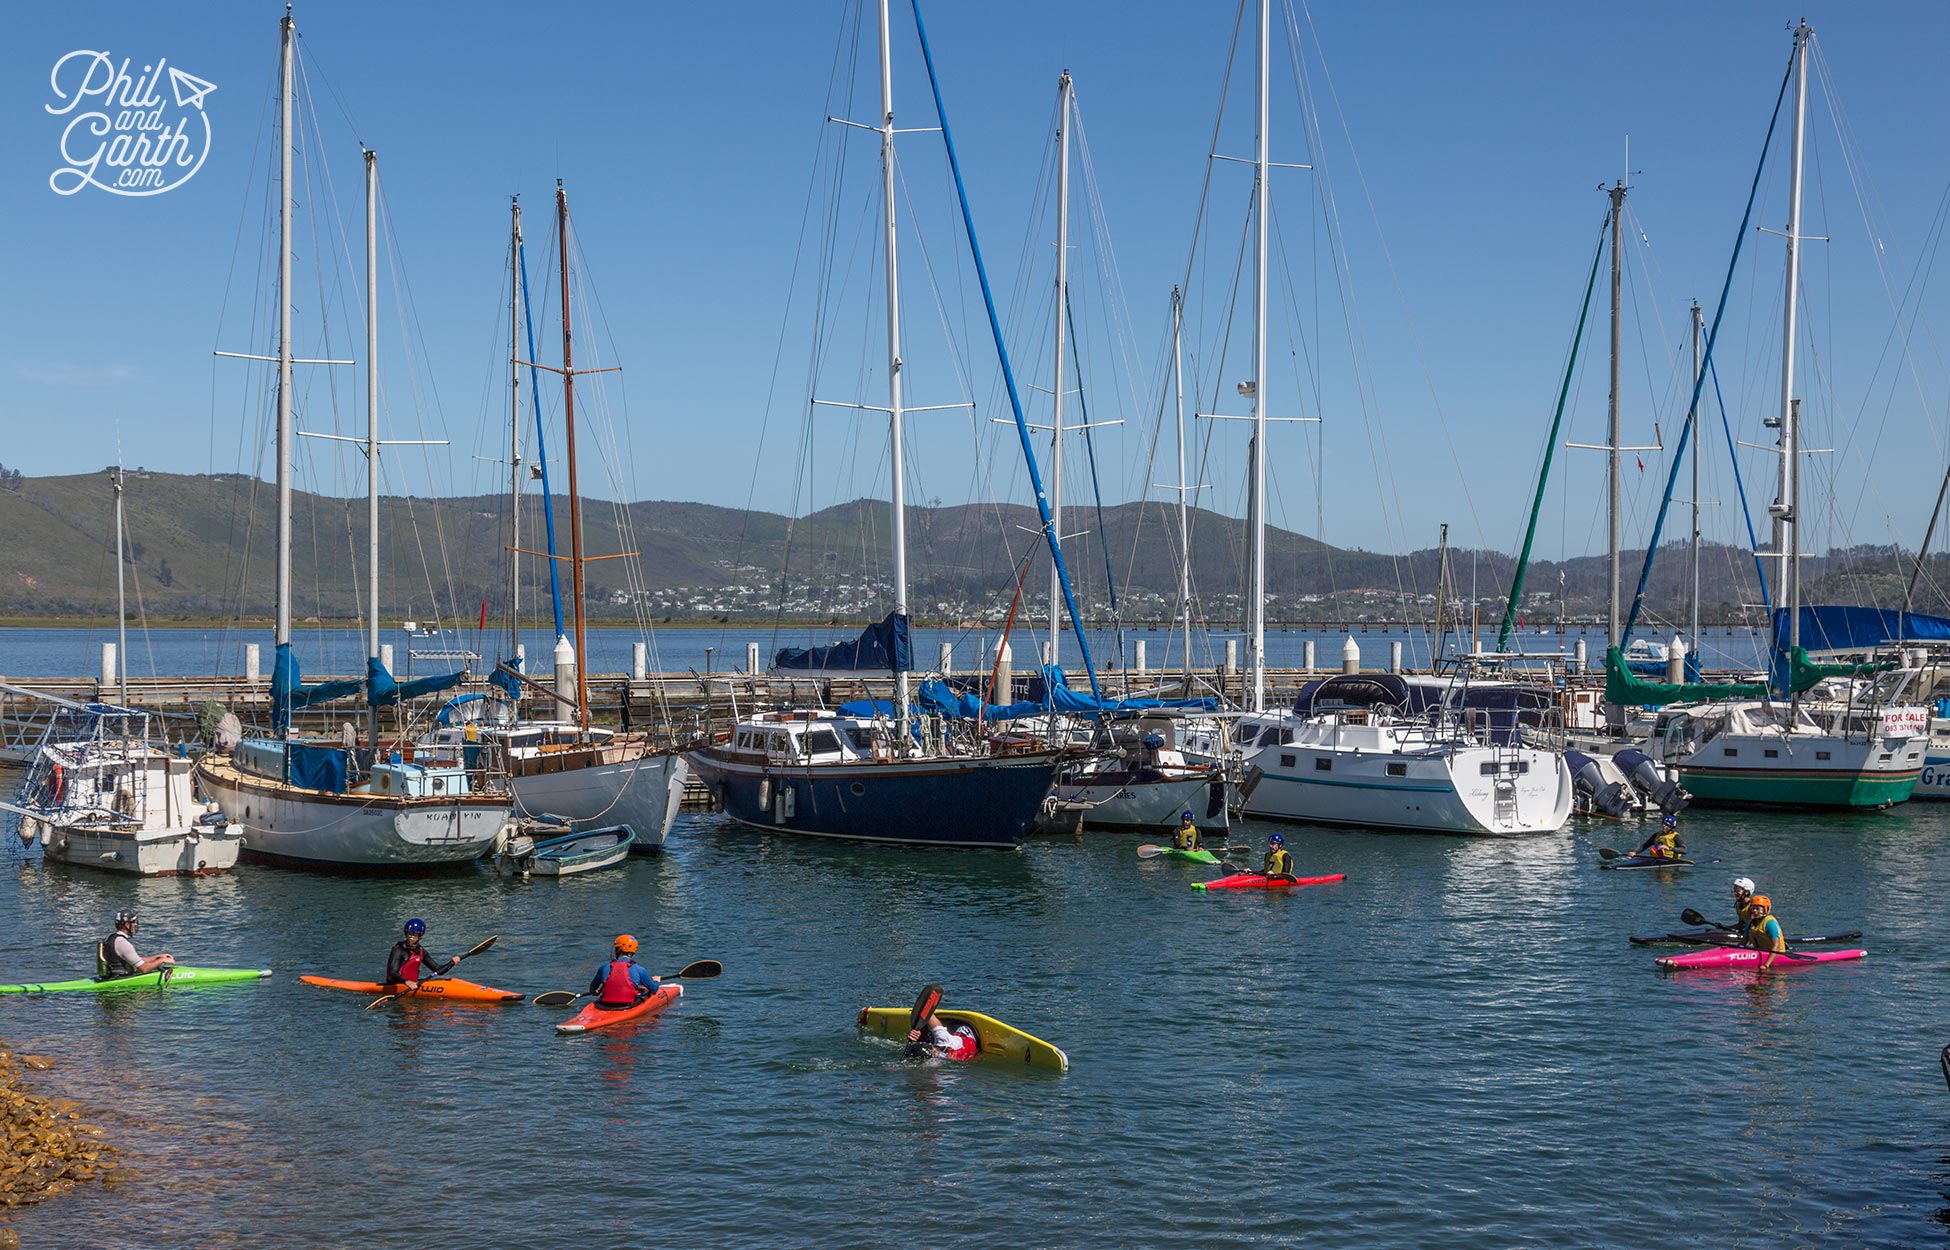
[1740,957]
[1260,881]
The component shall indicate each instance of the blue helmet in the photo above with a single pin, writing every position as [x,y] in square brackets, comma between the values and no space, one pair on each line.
[1187,815]
[416,926]
[1276,840]
[1671,821]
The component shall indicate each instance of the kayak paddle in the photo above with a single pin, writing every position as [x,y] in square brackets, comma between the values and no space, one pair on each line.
[1151,851]
[924,1004]
[702,970]
[476,949]
[1692,917]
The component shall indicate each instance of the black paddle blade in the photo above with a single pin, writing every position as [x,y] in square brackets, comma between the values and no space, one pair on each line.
[924,1004]
[1605,852]
[702,970]
[554,998]
[479,947]
[1692,917]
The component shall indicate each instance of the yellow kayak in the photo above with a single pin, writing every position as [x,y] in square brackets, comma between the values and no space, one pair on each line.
[998,1041]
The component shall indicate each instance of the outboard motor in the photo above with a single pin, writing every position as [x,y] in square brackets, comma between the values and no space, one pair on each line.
[1644,774]
[1608,797]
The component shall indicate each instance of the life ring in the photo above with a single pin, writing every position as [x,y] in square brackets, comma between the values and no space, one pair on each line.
[57,786]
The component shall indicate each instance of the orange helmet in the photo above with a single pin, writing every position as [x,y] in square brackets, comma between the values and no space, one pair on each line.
[626,944]
[1760,902]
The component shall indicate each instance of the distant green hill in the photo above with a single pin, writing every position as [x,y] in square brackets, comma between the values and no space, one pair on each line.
[203,546]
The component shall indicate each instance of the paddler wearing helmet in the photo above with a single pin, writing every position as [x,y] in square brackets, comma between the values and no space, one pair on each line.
[1278,862]
[1186,839]
[1743,898]
[1763,929]
[620,983]
[410,962]
[116,956]
[1665,842]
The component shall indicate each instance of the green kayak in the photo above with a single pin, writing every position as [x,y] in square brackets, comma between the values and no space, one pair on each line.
[1200,856]
[161,977]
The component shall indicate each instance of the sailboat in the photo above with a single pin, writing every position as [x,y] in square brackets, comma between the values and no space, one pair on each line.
[567,770]
[880,777]
[332,805]
[1363,759]
[108,793]
[1860,746]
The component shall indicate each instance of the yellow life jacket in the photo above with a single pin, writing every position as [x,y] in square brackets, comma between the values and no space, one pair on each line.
[1764,934]
[1666,845]
[1279,863]
[1743,915]
[1186,839]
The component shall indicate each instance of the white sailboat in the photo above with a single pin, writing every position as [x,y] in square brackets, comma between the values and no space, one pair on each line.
[329,806]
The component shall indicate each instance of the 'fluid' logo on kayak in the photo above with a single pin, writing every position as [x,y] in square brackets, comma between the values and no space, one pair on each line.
[131,139]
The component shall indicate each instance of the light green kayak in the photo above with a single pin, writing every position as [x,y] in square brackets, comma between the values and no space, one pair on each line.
[178,977]
[1200,856]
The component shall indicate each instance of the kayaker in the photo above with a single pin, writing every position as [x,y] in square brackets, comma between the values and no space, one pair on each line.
[116,956]
[1187,839]
[958,1043]
[410,962]
[1665,843]
[1763,930]
[620,983]
[1278,862]
[1743,895]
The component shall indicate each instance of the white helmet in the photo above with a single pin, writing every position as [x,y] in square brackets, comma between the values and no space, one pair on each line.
[1743,885]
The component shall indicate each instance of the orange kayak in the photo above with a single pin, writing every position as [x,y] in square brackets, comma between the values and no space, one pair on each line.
[594,1017]
[449,989]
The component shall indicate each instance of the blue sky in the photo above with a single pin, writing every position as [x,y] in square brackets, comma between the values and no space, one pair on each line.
[688,136]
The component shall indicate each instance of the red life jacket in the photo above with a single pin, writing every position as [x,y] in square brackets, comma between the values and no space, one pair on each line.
[618,990]
[410,970]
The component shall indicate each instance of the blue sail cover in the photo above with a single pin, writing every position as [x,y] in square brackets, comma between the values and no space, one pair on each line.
[941,699]
[288,690]
[382,690]
[505,681]
[315,767]
[1832,627]
[882,648]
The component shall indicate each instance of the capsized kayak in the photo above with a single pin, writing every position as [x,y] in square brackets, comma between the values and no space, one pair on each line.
[594,1017]
[446,989]
[1718,937]
[1260,881]
[174,978]
[1741,957]
[1000,1042]
[1200,856]
[1646,861]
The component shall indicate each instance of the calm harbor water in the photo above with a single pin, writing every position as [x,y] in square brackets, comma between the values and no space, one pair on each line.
[1456,1047]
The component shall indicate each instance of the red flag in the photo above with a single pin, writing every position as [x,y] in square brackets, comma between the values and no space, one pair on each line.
[483,624]
[1640,459]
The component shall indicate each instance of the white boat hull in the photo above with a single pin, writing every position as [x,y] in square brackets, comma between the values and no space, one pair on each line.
[644,793]
[1156,805]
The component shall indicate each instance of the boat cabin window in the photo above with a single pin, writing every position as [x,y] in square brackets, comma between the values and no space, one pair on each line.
[1824,755]
[1244,734]
[822,742]
[779,744]
[1286,760]
[1398,770]
[1323,765]
[860,737]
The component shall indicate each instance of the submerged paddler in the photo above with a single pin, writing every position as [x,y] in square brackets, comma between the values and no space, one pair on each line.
[1665,842]
[409,962]
[116,956]
[1186,839]
[958,1043]
[1763,930]
[620,983]
[1278,862]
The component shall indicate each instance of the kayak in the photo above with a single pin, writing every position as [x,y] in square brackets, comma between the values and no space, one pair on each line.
[998,1041]
[1200,856]
[1715,937]
[447,989]
[1740,957]
[1646,861]
[1260,881]
[161,977]
[594,1017]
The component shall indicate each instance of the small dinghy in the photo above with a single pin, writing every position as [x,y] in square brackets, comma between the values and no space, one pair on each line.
[568,854]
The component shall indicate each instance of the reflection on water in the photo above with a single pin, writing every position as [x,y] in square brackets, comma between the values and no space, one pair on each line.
[1439,1050]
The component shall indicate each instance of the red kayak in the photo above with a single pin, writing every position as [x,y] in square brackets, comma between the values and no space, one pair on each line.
[594,1017]
[1740,957]
[1260,881]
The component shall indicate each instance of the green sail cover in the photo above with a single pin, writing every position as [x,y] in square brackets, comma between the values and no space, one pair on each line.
[1622,686]
[1803,673]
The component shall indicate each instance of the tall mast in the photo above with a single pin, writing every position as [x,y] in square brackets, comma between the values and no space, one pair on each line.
[285,87]
[514,426]
[1787,509]
[372,423]
[569,424]
[1698,331]
[894,411]
[121,599]
[1184,518]
[1062,310]
[1256,647]
[1613,441]
[1441,593]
